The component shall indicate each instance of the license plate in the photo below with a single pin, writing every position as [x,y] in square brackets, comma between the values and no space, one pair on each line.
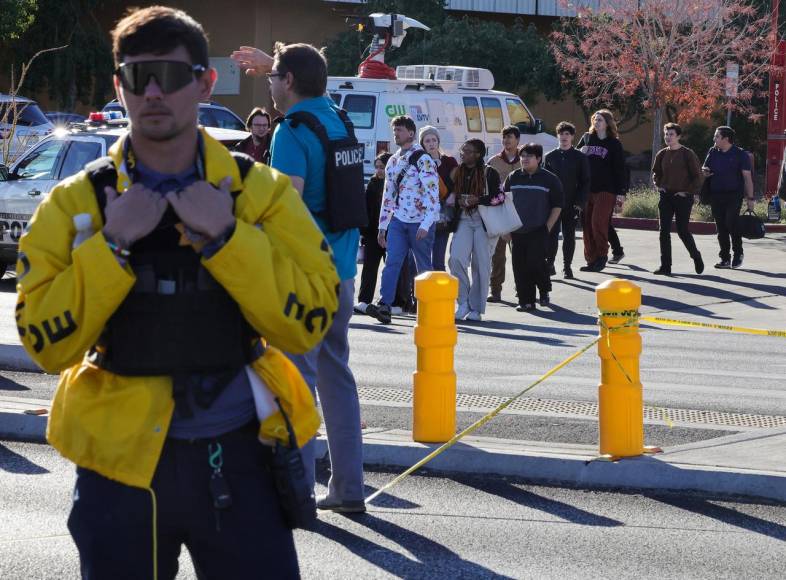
[12,226]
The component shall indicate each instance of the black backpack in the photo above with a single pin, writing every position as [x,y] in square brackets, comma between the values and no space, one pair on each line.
[345,190]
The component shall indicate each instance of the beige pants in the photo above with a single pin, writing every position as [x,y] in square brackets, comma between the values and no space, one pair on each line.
[472,248]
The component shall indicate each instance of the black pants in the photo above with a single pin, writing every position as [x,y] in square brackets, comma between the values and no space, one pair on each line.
[675,207]
[112,523]
[372,256]
[567,223]
[529,264]
[614,240]
[725,210]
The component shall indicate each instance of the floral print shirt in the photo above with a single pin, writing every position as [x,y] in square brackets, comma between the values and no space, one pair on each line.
[416,200]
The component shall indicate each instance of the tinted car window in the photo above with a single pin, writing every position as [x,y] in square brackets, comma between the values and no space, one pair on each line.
[360,110]
[226,120]
[41,163]
[78,155]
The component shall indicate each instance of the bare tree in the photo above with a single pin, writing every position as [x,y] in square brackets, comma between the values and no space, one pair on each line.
[11,112]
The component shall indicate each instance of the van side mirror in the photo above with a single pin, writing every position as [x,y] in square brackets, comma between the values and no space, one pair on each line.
[3,172]
[538,126]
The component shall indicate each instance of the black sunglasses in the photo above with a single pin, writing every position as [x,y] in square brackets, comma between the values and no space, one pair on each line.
[170,75]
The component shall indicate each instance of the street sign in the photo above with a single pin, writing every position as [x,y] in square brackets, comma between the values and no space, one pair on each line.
[732,79]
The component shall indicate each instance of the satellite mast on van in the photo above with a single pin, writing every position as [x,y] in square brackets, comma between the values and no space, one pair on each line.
[389,32]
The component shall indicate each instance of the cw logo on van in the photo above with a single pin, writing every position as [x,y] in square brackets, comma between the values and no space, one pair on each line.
[395,110]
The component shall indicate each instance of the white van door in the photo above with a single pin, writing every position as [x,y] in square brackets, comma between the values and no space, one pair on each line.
[362,111]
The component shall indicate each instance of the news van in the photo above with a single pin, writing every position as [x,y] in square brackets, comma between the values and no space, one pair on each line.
[459,101]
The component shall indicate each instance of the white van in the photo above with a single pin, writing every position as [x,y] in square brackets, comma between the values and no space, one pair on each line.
[458,101]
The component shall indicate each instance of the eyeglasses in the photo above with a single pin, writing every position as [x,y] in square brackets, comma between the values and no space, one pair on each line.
[170,75]
[271,75]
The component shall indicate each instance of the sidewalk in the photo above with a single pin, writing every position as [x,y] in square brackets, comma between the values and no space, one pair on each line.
[751,464]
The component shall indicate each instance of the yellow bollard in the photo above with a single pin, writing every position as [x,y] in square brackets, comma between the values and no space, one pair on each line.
[434,395]
[621,409]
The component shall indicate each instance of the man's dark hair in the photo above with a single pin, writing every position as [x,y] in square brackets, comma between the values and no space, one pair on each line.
[532,149]
[159,30]
[404,121]
[478,145]
[511,130]
[307,65]
[565,126]
[257,112]
[673,127]
[383,157]
[727,133]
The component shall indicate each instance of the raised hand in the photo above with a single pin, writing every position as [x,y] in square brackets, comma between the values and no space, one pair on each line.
[203,208]
[254,61]
[133,215]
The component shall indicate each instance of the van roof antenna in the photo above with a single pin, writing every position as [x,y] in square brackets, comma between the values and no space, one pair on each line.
[389,32]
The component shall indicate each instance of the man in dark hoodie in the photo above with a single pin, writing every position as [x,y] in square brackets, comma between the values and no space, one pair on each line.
[537,195]
[572,168]
[607,185]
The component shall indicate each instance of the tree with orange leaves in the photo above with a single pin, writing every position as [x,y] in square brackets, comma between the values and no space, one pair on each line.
[668,53]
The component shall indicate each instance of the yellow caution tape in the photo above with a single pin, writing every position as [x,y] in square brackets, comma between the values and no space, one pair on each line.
[741,329]
[480,422]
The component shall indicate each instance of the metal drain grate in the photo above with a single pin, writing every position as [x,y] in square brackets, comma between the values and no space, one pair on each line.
[485,403]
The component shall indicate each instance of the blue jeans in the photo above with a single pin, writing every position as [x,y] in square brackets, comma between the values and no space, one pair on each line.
[400,240]
[440,249]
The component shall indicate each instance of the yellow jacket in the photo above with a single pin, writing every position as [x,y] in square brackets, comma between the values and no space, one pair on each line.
[276,265]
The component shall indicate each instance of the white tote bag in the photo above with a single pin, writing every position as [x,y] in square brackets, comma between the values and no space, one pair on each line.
[500,219]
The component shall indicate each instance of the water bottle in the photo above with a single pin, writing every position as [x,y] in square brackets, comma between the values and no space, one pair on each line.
[84,228]
[774,209]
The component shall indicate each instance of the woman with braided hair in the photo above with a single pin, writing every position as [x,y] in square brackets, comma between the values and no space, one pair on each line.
[475,184]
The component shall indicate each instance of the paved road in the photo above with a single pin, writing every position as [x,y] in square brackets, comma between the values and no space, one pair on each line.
[680,369]
[437,527]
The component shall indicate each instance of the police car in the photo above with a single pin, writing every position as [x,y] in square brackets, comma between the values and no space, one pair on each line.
[59,155]
[459,101]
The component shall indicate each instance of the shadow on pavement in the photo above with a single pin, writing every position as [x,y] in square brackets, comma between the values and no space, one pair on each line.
[480,329]
[515,494]
[705,290]
[766,288]
[429,559]
[726,515]
[12,462]
[7,384]
[559,314]
[381,328]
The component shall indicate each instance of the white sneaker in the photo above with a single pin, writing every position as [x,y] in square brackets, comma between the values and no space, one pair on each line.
[396,311]
[462,311]
[360,307]
[475,316]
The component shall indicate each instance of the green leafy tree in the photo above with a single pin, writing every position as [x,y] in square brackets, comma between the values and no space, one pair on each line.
[15,17]
[517,55]
[80,72]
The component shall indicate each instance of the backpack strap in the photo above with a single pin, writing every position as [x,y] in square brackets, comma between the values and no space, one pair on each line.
[412,160]
[101,173]
[310,121]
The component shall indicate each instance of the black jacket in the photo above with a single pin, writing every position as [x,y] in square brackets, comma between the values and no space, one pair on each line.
[572,168]
[607,163]
[374,191]
[534,197]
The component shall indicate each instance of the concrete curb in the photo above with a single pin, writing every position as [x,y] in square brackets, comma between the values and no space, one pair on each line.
[14,357]
[16,422]
[715,467]
[576,465]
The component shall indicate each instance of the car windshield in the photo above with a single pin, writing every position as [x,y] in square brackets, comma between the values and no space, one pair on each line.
[29,115]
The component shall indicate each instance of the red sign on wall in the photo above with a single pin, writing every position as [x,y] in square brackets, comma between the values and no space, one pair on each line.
[776,119]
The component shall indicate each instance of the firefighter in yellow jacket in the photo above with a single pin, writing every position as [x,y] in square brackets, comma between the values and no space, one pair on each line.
[162,312]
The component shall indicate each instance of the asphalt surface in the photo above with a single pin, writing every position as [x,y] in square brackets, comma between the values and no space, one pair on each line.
[446,527]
